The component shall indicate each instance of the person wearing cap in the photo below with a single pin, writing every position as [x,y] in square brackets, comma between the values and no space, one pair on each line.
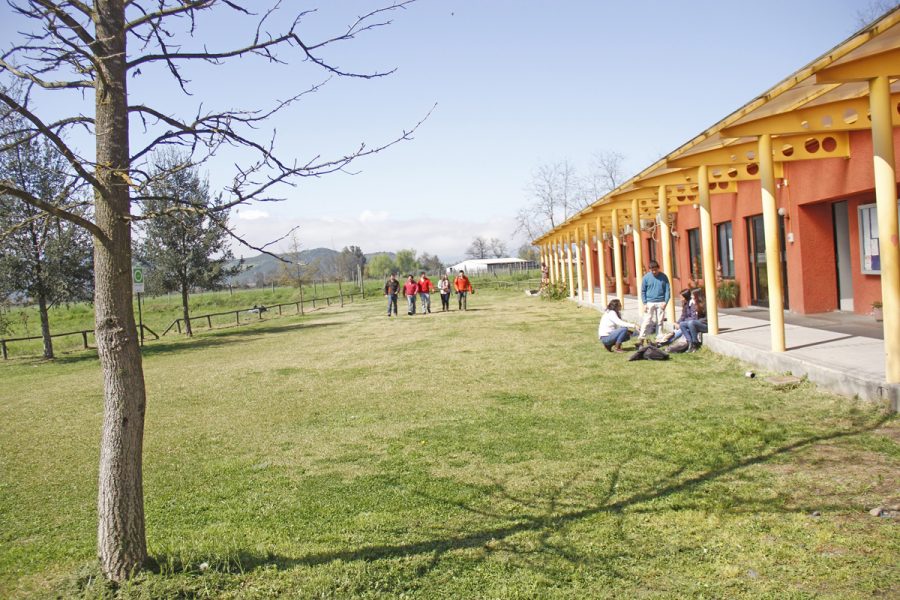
[425,289]
[463,287]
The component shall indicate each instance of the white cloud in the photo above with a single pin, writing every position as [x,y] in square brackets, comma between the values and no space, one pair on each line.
[252,214]
[367,216]
[448,238]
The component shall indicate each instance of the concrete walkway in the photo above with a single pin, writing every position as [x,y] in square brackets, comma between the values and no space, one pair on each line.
[843,355]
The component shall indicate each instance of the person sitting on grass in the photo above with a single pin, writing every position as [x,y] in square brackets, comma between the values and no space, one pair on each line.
[613,331]
[688,312]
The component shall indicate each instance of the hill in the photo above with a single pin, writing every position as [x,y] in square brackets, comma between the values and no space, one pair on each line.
[261,269]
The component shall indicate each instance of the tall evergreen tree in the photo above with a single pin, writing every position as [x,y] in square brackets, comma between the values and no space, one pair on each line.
[185,241]
[46,259]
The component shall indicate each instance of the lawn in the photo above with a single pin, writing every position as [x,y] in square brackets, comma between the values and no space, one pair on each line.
[495,453]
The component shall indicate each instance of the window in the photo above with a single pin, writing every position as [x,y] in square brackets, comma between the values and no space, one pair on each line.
[696,254]
[673,247]
[725,246]
[651,249]
[624,258]
[870,252]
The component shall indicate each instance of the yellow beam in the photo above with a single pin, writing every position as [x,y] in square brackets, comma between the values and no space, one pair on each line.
[886,208]
[617,257]
[802,147]
[773,245]
[589,262]
[709,261]
[843,115]
[578,264]
[601,260]
[665,238]
[636,238]
[881,64]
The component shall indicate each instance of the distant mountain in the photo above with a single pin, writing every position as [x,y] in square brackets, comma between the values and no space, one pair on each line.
[263,268]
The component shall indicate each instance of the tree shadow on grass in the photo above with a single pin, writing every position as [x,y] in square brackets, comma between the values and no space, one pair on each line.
[546,515]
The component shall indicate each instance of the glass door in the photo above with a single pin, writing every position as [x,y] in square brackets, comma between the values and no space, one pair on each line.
[759,273]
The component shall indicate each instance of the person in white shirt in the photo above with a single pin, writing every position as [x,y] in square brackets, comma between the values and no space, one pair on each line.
[613,331]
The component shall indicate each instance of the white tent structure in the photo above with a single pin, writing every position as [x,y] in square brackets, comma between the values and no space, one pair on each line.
[483,266]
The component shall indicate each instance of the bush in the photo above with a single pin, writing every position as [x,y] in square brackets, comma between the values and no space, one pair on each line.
[555,291]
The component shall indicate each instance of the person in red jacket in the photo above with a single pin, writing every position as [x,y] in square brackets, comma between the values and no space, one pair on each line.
[463,287]
[410,288]
[425,289]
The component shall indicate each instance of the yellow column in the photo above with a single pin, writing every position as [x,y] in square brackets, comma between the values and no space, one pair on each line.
[617,257]
[886,207]
[601,254]
[709,260]
[554,262]
[773,243]
[571,279]
[638,240]
[560,261]
[580,279]
[665,236]
[589,262]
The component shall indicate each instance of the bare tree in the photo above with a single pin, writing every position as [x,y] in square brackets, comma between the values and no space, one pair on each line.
[553,193]
[87,52]
[498,248]
[606,174]
[873,10]
[479,248]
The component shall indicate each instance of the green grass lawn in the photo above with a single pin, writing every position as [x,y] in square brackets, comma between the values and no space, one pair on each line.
[496,453]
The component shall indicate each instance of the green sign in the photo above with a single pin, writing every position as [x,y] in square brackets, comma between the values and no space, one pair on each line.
[137,279]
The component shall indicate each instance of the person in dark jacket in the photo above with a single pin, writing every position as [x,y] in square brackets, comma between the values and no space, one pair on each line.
[391,289]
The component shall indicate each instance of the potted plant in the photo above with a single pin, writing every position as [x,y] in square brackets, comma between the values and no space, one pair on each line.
[876,310]
[727,293]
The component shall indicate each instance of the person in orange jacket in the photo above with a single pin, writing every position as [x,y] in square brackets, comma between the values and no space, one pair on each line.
[425,289]
[463,287]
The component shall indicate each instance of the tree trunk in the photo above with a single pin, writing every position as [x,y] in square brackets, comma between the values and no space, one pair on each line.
[45,326]
[186,309]
[121,542]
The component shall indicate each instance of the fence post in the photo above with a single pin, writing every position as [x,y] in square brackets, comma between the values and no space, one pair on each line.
[279,310]
[327,301]
[342,298]
[209,321]
[178,325]
[84,338]
[3,346]
[237,316]
[298,307]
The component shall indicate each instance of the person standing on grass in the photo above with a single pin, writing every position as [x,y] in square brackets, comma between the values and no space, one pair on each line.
[444,288]
[463,287]
[425,289]
[655,294]
[410,288]
[391,288]
[613,331]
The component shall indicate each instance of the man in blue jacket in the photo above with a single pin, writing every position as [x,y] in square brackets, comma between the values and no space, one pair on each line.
[655,294]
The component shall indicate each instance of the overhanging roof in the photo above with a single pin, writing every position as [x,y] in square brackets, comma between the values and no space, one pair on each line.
[829,95]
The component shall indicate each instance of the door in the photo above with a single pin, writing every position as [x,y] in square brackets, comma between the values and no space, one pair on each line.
[841,222]
[759,273]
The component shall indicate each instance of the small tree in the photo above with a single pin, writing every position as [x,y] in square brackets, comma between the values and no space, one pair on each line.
[479,248]
[349,261]
[381,265]
[498,248]
[406,261]
[41,256]
[431,263]
[529,253]
[184,248]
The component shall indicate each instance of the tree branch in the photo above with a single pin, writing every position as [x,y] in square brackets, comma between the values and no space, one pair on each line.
[7,187]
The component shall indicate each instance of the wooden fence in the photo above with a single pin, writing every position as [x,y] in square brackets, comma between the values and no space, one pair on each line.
[299,307]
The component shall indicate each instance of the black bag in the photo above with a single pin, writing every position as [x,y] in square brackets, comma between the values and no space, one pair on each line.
[678,346]
[654,353]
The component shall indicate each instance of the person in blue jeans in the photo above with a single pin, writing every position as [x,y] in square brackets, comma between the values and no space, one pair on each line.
[613,331]
[391,289]
[694,327]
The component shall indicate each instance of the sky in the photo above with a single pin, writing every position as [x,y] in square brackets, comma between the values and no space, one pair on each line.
[509,85]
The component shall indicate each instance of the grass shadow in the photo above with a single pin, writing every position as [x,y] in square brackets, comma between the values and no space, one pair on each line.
[545,515]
